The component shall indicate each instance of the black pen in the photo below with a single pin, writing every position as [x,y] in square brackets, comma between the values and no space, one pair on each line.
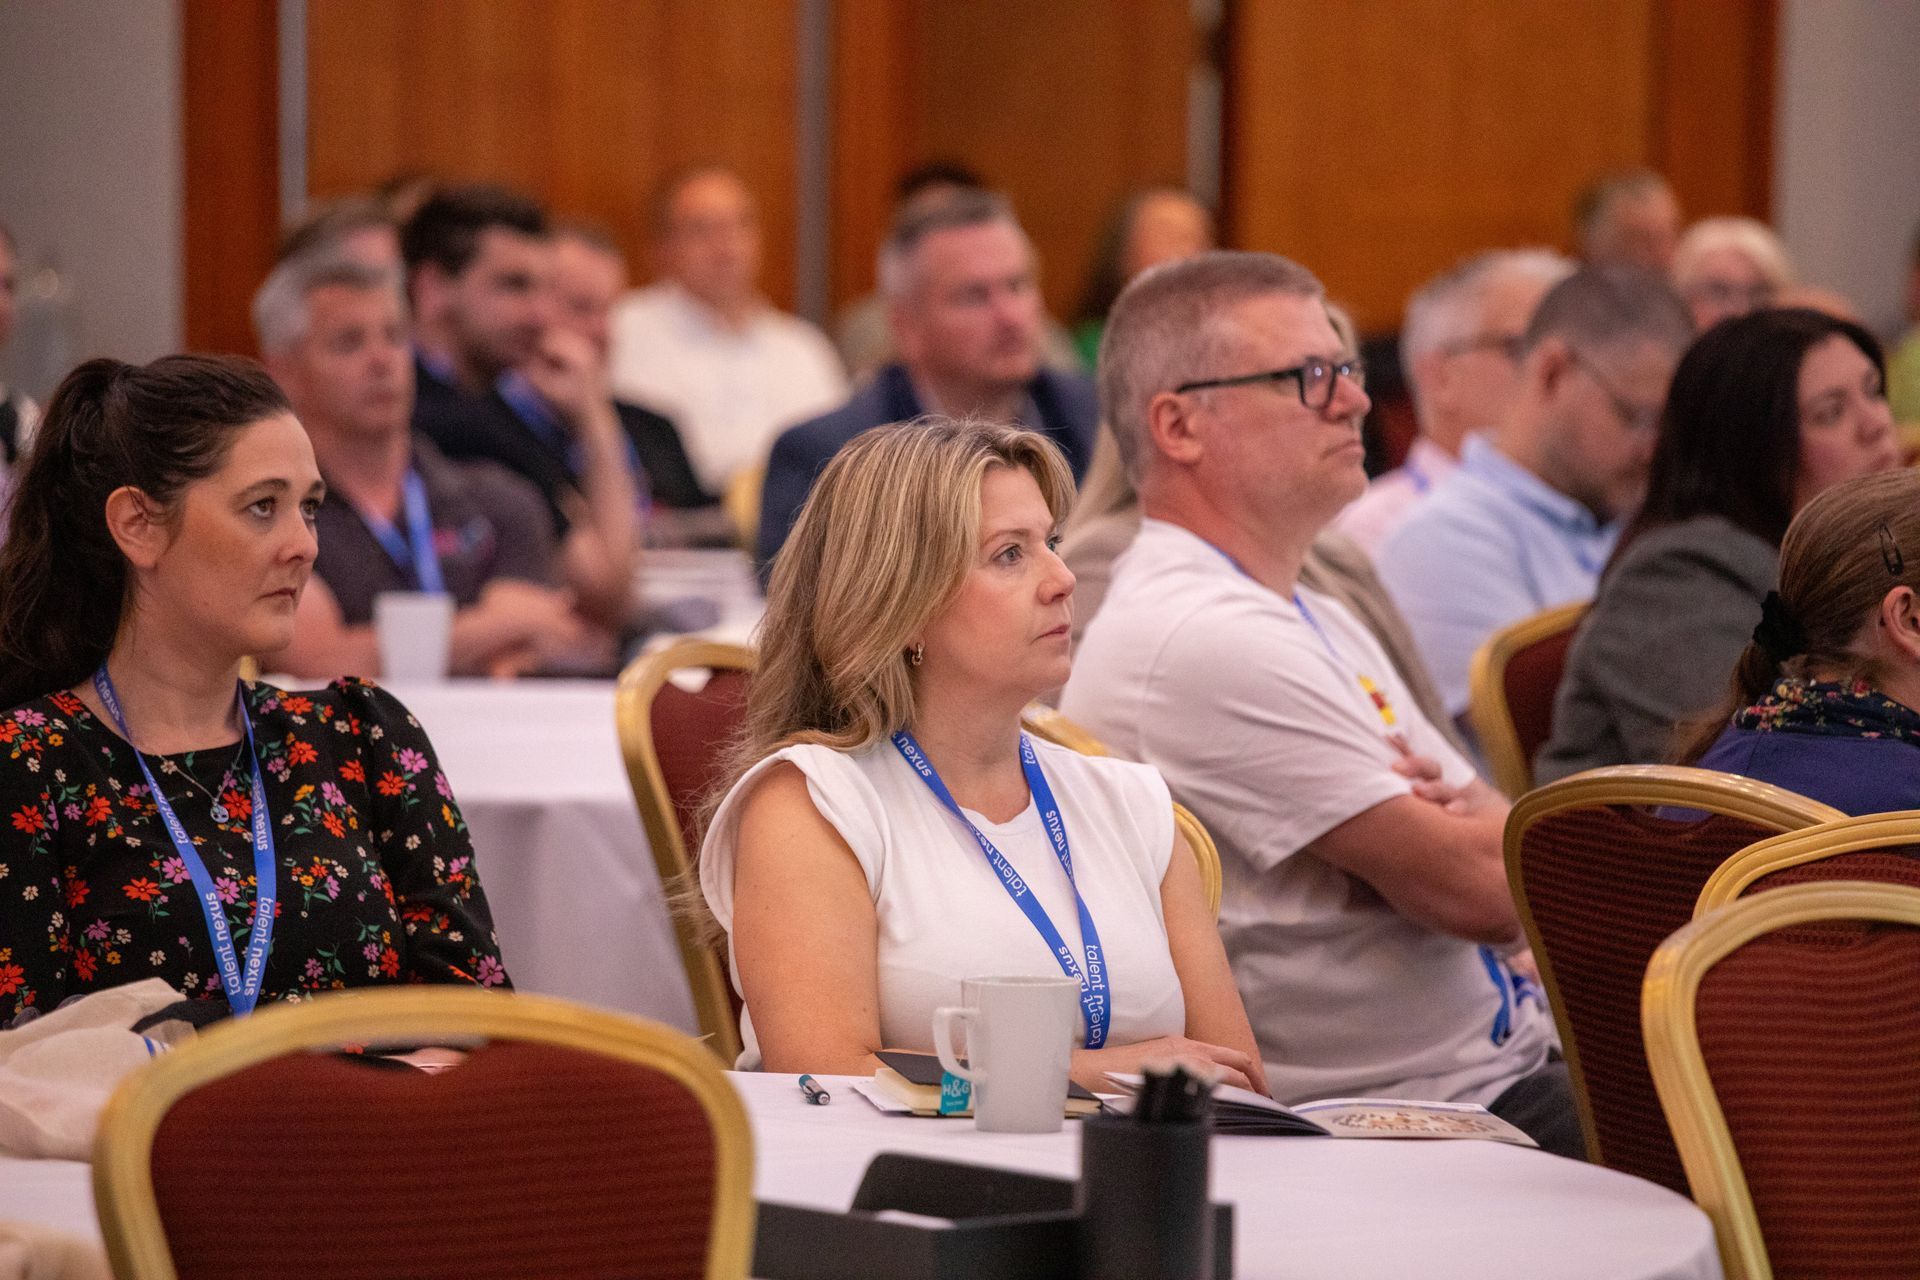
[815,1094]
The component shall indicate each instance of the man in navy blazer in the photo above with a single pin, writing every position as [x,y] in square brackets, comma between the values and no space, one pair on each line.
[964,304]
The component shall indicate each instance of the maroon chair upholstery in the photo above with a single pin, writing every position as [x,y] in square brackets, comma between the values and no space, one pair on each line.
[691,732]
[1532,678]
[1601,880]
[528,1160]
[1811,1037]
[1877,866]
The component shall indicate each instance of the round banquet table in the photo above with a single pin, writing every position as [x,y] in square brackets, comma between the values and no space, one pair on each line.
[1304,1208]
[577,903]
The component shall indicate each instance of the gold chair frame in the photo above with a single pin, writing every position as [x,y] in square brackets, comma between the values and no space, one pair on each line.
[123,1149]
[742,501]
[1487,707]
[1648,786]
[633,708]
[1044,722]
[1669,1023]
[1829,839]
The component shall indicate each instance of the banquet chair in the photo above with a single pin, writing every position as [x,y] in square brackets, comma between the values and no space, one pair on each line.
[1879,847]
[1044,722]
[742,503]
[570,1142]
[674,740]
[1784,1036]
[1510,690]
[1601,876]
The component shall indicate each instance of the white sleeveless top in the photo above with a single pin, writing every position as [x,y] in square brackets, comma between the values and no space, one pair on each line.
[943,913]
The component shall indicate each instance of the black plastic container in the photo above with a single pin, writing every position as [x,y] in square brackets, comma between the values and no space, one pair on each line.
[1005,1226]
[1142,1201]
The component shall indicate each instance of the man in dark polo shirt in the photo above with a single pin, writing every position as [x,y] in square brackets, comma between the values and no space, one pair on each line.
[398,515]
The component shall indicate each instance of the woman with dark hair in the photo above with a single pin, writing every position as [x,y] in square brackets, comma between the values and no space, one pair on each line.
[1765,412]
[1159,224]
[162,818]
[1825,699]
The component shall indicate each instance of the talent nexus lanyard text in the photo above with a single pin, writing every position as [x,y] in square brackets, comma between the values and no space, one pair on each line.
[1095,1002]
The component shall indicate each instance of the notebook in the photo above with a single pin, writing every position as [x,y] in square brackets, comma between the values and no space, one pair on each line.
[913,1080]
[1240,1111]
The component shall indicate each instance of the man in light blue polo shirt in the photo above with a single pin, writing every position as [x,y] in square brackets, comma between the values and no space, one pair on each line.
[1530,516]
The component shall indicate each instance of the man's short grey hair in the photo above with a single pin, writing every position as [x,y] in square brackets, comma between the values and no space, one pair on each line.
[280,315]
[1611,306]
[1451,308]
[1169,327]
[918,219]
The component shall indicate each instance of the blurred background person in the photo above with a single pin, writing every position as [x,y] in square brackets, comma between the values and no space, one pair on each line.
[398,515]
[1767,411]
[1728,267]
[1160,224]
[1825,698]
[704,346]
[1461,347]
[1630,217]
[862,332]
[494,379]
[964,303]
[357,227]
[1531,514]
[588,275]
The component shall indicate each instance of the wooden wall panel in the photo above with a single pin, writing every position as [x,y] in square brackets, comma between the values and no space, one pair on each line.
[1378,143]
[1712,125]
[230,130]
[1066,106]
[582,103]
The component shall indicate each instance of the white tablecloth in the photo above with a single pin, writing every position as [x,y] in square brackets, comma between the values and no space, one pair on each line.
[536,767]
[1303,1207]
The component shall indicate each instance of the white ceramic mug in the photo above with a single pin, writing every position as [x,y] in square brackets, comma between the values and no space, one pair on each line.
[1019,1049]
[414,630]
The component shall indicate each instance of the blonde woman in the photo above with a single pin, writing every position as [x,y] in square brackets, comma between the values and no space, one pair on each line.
[1726,267]
[884,784]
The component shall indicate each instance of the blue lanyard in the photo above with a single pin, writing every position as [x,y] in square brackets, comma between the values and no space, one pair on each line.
[414,553]
[243,989]
[1094,1000]
[1421,482]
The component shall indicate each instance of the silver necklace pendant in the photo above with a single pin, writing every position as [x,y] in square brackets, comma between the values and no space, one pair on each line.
[219,812]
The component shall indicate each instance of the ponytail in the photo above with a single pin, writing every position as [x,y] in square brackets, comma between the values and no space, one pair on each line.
[1843,552]
[157,428]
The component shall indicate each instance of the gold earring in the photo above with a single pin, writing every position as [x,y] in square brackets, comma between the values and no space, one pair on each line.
[915,654]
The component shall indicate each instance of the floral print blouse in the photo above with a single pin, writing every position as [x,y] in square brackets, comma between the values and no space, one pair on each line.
[377,883]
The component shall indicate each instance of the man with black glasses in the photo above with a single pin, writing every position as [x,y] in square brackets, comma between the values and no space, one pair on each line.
[1530,517]
[1366,910]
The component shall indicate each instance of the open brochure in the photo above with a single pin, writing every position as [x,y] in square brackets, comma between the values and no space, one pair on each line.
[1240,1111]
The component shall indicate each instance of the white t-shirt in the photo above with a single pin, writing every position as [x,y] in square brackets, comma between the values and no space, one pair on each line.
[1267,734]
[945,916]
[729,392]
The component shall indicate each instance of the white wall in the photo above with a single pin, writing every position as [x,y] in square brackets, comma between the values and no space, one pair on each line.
[90,162]
[1847,147]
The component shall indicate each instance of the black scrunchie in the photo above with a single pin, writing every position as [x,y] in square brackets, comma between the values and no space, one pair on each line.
[1779,635]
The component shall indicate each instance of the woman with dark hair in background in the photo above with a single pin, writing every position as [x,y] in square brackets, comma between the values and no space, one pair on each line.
[158,816]
[1160,224]
[1826,697]
[1765,412]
